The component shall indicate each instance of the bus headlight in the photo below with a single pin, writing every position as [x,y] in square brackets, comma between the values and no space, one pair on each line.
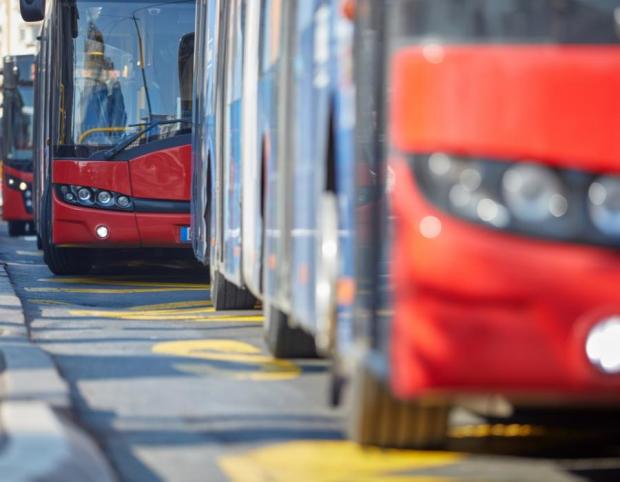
[520,197]
[84,194]
[104,198]
[604,199]
[123,201]
[533,193]
[92,197]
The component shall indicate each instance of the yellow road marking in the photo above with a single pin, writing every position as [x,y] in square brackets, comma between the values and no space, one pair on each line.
[495,430]
[234,359]
[205,315]
[175,304]
[49,302]
[332,461]
[125,282]
[108,291]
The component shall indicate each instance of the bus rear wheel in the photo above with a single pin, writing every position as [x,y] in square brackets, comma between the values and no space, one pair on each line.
[228,296]
[378,418]
[283,341]
[67,261]
[17,228]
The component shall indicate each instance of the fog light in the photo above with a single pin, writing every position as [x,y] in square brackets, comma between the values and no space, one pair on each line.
[23,186]
[11,181]
[104,198]
[84,194]
[102,232]
[602,345]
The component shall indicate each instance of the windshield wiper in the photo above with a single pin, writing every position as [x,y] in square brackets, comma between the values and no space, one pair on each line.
[124,144]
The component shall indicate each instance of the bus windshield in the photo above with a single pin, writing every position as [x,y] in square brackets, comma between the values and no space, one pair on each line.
[131,66]
[18,112]
[507,21]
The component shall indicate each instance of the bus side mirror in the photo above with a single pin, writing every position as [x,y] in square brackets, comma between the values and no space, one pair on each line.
[32,10]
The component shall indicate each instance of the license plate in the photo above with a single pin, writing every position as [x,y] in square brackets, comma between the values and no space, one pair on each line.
[186,234]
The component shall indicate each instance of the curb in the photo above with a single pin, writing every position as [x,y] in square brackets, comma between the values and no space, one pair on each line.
[40,444]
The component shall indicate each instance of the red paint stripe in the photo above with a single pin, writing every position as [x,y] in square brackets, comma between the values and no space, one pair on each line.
[555,104]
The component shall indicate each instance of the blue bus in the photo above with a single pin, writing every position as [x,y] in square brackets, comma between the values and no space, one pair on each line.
[311,291]
[272,183]
[238,54]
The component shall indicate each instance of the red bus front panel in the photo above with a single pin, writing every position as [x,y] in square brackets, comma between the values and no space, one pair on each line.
[164,174]
[14,197]
[155,179]
[499,311]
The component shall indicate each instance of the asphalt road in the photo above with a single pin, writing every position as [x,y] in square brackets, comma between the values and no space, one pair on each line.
[174,391]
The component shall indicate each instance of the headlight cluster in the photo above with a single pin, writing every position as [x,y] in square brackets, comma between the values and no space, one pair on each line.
[24,187]
[94,198]
[524,197]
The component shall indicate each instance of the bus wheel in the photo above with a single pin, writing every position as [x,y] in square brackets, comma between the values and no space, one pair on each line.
[67,261]
[377,418]
[282,340]
[17,228]
[227,296]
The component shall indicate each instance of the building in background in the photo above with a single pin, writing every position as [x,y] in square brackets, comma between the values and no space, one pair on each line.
[16,36]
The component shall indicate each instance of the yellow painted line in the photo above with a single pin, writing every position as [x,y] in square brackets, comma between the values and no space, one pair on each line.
[333,461]
[49,302]
[234,359]
[109,291]
[207,315]
[174,305]
[162,313]
[125,282]
[496,430]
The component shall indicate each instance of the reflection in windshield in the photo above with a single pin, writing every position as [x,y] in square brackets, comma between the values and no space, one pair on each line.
[18,109]
[130,65]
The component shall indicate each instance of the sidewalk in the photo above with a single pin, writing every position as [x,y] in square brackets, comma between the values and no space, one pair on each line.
[37,442]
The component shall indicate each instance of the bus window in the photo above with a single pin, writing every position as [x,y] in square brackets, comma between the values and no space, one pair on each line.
[126,61]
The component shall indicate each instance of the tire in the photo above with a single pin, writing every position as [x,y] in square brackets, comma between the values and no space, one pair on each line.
[284,341]
[67,261]
[63,261]
[227,296]
[377,418]
[17,228]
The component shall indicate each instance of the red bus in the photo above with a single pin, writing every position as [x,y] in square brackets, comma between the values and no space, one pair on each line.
[17,106]
[112,127]
[505,207]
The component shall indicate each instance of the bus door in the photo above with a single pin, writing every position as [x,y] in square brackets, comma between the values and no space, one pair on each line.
[251,153]
[230,212]
[310,128]
[199,156]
